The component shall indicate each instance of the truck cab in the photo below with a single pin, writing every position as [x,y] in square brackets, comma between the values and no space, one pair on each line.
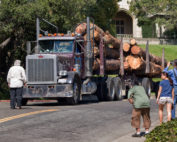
[57,69]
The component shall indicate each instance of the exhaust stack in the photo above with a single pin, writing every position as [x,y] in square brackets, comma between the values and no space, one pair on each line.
[88,52]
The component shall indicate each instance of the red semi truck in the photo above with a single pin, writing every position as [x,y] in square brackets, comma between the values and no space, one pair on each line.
[61,67]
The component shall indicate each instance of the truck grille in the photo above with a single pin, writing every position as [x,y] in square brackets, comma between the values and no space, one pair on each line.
[40,70]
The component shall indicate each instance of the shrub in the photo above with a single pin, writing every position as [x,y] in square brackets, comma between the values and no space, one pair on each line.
[167,132]
[4,90]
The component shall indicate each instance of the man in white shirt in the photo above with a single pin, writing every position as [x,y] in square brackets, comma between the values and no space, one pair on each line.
[16,78]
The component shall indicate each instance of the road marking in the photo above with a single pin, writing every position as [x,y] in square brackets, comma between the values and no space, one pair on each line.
[25,114]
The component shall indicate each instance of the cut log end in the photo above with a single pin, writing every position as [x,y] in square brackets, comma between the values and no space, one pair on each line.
[136,50]
[126,47]
[132,41]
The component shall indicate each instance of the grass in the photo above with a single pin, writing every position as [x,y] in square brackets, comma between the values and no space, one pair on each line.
[170,51]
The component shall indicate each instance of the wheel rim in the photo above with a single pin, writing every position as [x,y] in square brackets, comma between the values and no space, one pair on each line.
[119,91]
[112,90]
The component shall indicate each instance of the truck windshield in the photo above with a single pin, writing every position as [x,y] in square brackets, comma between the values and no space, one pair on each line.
[56,46]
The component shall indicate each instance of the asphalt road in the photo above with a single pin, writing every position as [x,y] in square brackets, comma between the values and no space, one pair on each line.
[49,122]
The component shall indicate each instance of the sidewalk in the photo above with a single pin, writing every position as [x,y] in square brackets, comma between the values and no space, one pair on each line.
[128,137]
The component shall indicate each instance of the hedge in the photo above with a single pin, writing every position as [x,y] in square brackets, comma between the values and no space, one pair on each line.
[167,132]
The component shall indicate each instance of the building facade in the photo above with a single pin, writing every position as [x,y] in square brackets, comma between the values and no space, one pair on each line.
[126,22]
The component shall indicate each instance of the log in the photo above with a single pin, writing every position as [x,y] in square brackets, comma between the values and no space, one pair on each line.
[132,41]
[126,47]
[126,65]
[135,63]
[81,29]
[110,65]
[139,65]
[109,39]
[136,50]
[112,53]
[108,52]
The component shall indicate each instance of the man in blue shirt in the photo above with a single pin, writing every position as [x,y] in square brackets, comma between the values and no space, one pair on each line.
[173,74]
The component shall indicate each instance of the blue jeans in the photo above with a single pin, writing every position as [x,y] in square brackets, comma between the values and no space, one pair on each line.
[15,97]
[175,101]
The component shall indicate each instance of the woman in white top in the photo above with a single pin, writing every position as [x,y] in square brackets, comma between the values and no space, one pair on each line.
[16,78]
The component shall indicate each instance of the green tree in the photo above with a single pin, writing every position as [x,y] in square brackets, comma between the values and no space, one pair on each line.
[163,12]
[17,22]
[103,13]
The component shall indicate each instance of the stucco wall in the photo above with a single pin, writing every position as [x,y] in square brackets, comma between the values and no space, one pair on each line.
[137,31]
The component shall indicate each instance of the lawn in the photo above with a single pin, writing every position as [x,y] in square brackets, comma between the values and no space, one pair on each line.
[170,51]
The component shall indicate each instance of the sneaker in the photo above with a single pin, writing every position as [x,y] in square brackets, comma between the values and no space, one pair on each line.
[146,133]
[136,135]
[20,107]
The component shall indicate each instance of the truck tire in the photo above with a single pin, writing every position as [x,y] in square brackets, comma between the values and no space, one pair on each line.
[98,92]
[146,83]
[118,88]
[24,101]
[111,89]
[76,93]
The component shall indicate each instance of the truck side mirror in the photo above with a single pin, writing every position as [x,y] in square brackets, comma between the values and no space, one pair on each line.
[28,47]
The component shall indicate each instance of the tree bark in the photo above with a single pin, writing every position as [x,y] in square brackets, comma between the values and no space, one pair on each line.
[110,65]
[5,42]
[136,50]
[109,39]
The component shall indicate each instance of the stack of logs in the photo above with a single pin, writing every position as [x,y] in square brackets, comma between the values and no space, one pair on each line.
[134,57]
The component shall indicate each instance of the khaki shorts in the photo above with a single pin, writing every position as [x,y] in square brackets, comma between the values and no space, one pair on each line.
[164,100]
[136,116]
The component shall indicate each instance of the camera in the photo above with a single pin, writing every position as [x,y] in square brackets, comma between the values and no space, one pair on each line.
[172,62]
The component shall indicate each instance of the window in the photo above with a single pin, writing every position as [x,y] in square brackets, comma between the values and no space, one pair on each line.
[120,27]
[56,46]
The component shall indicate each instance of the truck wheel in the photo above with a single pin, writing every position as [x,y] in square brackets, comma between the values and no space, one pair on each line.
[146,83]
[24,102]
[76,93]
[118,88]
[111,89]
[99,92]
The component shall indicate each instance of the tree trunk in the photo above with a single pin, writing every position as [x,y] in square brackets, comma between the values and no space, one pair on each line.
[110,53]
[110,65]
[126,47]
[139,65]
[136,50]
[132,42]
[135,63]
[109,39]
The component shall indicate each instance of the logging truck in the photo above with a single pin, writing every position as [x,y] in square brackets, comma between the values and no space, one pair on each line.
[63,67]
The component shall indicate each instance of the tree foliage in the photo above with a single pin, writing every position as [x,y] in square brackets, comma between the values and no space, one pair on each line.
[18,22]
[103,12]
[163,12]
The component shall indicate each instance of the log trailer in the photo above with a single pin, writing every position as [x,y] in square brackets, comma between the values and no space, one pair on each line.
[61,67]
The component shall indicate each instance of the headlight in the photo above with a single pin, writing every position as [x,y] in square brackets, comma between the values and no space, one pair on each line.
[63,73]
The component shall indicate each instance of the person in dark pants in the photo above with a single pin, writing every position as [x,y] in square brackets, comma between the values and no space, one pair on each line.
[16,78]
[141,107]
[173,75]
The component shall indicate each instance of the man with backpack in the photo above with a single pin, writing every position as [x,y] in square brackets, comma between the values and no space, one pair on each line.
[173,75]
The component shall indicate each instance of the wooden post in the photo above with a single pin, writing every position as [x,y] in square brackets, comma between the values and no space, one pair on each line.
[121,58]
[163,58]
[147,58]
